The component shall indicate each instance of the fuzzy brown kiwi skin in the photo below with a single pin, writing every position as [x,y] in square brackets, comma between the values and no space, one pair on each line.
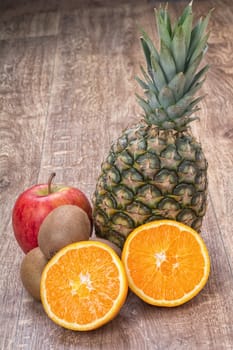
[31,270]
[110,244]
[64,225]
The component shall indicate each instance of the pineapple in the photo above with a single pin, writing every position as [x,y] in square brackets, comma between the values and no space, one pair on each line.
[156,169]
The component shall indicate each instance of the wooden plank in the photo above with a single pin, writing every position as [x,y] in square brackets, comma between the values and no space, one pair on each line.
[26,70]
[25,19]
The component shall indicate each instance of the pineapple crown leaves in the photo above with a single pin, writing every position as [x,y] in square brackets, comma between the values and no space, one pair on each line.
[172,79]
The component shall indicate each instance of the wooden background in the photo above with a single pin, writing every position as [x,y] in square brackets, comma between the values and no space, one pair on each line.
[66,91]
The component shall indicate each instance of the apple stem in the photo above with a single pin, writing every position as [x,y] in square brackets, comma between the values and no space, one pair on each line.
[52,176]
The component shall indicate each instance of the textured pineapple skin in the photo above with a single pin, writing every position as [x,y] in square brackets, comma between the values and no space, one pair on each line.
[150,174]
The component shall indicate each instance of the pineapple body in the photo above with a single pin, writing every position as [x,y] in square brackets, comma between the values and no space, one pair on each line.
[150,174]
[156,169]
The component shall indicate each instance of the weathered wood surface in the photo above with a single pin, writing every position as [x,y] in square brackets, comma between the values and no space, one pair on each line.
[66,91]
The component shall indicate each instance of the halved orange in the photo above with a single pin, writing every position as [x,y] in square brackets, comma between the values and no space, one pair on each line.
[83,286]
[166,262]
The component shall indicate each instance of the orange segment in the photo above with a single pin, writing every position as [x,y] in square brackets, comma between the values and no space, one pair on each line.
[83,286]
[166,262]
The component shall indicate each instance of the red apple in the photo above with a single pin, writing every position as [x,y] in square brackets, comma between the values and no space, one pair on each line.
[34,204]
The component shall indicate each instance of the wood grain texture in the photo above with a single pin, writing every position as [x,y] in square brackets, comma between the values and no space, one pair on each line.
[26,69]
[23,19]
[66,91]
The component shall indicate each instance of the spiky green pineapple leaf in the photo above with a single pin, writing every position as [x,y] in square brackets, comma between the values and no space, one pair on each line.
[179,48]
[161,115]
[152,100]
[183,107]
[186,14]
[197,33]
[147,55]
[167,61]
[195,87]
[175,111]
[158,117]
[195,37]
[182,122]
[145,75]
[189,74]
[143,103]
[185,101]
[185,21]
[200,48]
[166,97]
[166,19]
[196,101]
[177,85]
[143,85]
[149,80]
[164,28]
[150,44]
[158,75]
[192,111]
[199,75]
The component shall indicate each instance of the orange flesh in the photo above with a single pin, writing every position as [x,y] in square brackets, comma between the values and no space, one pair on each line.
[82,285]
[165,263]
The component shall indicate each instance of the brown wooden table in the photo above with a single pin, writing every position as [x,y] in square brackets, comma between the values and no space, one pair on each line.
[66,91]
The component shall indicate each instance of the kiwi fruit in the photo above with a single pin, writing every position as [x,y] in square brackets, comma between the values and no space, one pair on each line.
[64,225]
[31,269]
[109,243]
